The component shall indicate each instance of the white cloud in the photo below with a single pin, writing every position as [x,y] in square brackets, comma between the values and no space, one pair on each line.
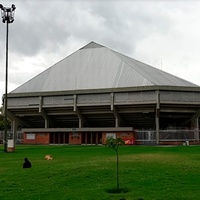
[177,48]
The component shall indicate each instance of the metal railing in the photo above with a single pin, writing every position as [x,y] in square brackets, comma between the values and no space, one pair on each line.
[145,136]
[176,135]
[18,139]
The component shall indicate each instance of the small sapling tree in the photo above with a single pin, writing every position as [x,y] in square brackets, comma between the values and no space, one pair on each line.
[114,144]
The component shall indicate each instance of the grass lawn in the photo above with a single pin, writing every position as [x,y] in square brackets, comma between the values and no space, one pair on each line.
[87,172]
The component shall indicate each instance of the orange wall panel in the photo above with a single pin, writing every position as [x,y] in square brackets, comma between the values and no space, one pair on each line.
[75,138]
[36,138]
[124,135]
[42,138]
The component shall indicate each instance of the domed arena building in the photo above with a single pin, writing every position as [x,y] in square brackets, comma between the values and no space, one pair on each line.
[97,92]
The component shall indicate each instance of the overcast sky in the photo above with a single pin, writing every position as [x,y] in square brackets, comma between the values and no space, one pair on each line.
[162,33]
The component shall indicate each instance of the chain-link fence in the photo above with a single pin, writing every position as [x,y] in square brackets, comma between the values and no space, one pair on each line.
[145,136]
[149,136]
[19,136]
[178,135]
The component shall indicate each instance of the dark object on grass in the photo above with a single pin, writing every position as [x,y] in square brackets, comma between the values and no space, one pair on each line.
[27,163]
[117,191]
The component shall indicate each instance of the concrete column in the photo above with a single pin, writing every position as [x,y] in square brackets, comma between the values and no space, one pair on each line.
[41,110]
[80,122]
[75,102]
[14,126]
[196,124]
[112,107]
[112,101]
[78,113]
[116,121]
[40,104]
[157,129]
[46,123]
[157,116]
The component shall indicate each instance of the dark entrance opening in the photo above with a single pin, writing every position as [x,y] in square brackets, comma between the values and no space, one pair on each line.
[91,138]
[59,138]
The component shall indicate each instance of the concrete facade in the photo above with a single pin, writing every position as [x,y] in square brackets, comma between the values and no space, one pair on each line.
[95,91]
[76,138]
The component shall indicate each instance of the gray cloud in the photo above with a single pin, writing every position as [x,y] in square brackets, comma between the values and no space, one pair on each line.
[51,28]
[40,27]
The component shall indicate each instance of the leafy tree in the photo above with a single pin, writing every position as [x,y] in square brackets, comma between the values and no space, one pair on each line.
[114,144]
[2,123]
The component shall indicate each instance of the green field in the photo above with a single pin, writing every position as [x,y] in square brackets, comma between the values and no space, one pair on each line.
[88,172]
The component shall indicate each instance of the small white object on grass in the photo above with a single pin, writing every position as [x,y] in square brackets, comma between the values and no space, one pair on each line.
[48,157]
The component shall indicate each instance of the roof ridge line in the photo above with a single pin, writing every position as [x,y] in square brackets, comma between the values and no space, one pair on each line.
[91,45]
[115,52]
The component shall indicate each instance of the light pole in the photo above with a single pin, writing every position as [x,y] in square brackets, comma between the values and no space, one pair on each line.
[7,15]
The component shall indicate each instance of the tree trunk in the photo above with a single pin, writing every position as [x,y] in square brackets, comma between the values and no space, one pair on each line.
[117,172]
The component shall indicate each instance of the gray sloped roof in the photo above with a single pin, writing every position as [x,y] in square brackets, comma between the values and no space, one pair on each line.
[97,67]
